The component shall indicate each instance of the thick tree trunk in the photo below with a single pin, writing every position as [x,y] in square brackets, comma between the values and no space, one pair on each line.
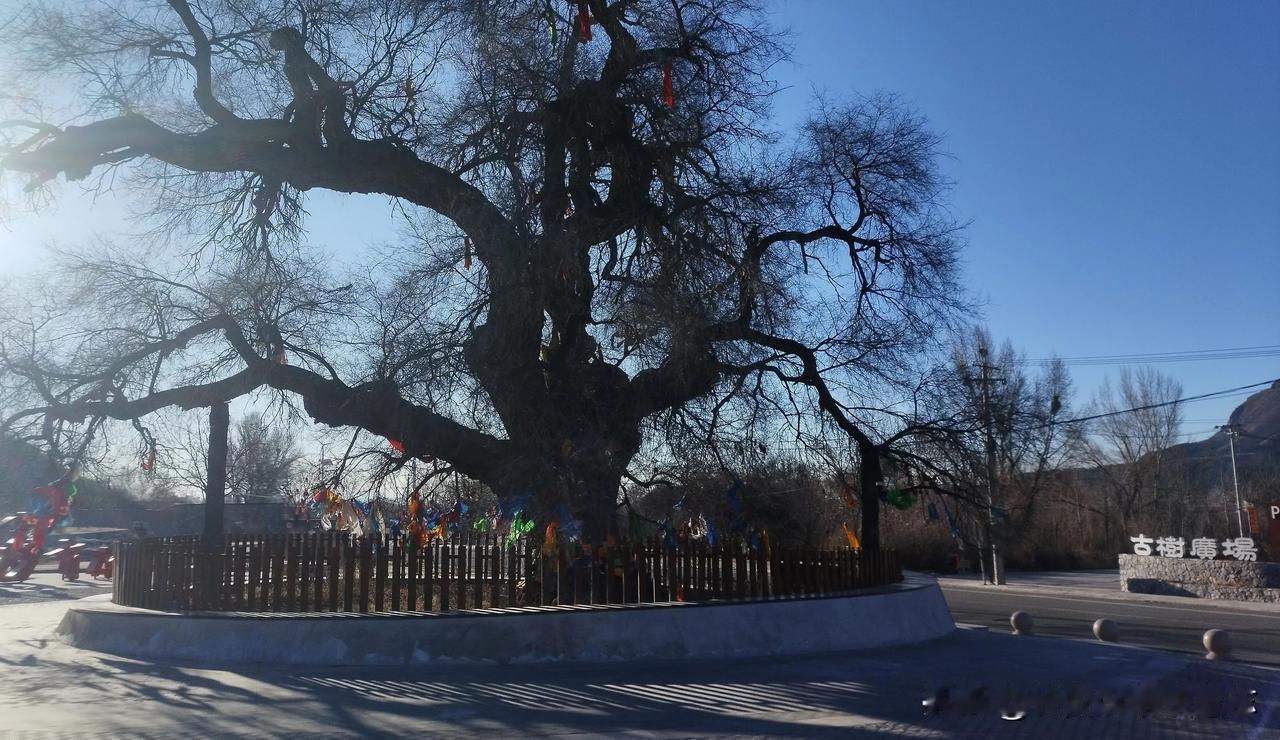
[557,475]
[870,477]
[598,504]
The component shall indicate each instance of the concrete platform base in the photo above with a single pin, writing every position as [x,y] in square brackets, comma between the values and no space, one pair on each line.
[909,612]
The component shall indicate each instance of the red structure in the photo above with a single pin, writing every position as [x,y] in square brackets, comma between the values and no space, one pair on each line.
[50,504]
[101,563]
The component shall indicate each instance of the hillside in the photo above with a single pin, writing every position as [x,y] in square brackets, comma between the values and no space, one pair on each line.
[1257,447]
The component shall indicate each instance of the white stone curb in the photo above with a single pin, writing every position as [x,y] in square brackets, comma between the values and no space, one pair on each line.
[914,611]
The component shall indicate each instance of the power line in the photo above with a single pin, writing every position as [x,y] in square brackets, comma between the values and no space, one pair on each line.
[1199,355]
[1226,393]
[1148,407]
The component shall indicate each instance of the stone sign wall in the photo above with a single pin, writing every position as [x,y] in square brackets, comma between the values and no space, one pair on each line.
[1209,579]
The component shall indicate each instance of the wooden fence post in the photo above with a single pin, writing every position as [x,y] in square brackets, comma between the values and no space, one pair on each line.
[318,548]
[348,575]
[413,575]
[513,573]
[431,557]
[446,575]
[495,573]
[397,568]
[334,576]
[365,572]
[464,571]
[304,573]
[379,574]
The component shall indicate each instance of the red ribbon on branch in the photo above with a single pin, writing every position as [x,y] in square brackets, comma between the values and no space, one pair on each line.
[668,88]
[466,252]
[584,21]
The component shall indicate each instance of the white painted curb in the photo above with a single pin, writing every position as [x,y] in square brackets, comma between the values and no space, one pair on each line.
[914,611]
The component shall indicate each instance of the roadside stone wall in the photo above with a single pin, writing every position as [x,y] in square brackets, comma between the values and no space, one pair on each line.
[1207,579]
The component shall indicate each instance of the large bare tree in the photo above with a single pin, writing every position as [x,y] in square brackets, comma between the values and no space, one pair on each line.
[655,267]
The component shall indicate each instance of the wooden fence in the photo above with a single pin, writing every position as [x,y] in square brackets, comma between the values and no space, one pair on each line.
[334,572]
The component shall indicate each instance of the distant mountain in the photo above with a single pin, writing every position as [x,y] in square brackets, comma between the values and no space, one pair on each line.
[1258,443]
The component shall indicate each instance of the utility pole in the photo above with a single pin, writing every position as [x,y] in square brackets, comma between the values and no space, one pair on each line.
[995,574]
[209,566]
[215,493]
[1232,431]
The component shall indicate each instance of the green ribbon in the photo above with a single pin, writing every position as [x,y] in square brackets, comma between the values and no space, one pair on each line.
[519,528]
[551,21]
[636,526]
[899,499]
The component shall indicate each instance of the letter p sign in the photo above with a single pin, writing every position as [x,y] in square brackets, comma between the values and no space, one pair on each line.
[1272,528]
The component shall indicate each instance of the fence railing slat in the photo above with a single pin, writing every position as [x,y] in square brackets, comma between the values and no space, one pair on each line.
[348,575]
[411,555]
[513,565]
[397,570]
[460,574]
[379,558]
[365,571]
[304,572]
[334,562]
[275,567]
[495,573]
[317,571]
[432,556]
[255,574]
[446,576]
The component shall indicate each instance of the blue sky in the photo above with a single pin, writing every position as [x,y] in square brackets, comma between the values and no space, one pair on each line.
[1119,163]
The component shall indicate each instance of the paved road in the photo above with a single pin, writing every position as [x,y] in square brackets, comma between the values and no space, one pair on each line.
[1066,605]
[44,586]
[56,691]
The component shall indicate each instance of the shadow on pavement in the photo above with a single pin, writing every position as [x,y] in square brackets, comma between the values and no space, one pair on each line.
[877,693]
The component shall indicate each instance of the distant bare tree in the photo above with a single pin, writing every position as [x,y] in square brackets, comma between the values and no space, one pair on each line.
[1023,413]
[260,461]
[1127,448]
[1018,410]
[262,458]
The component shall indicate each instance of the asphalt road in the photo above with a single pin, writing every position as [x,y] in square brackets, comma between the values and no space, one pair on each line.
[44,586]
[58,692]
[1166,624]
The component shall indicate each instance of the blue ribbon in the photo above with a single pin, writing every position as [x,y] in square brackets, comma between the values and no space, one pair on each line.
[734,495]
[951,522]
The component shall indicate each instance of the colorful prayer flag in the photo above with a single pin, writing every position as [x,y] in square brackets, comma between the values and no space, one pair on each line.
[853,541]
